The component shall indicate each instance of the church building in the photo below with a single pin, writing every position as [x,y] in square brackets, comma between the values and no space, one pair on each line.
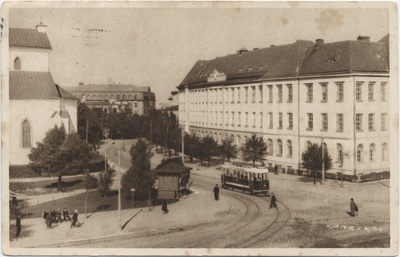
[37,103]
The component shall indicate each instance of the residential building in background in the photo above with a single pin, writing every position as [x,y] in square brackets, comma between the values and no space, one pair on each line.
[37,103]
[116,98]
[294,95]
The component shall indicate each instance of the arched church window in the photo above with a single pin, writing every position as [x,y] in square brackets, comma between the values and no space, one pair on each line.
[26,134]
[17,63]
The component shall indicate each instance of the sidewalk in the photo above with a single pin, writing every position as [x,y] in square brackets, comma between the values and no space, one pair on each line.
[188,211]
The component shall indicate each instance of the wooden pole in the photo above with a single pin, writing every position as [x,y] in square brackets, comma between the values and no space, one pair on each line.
[119,187]
[323,161]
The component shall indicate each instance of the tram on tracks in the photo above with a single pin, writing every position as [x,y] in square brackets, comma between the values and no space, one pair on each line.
[252,180]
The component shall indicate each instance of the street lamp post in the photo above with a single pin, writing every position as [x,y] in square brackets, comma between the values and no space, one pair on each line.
[119,188]
[183,144]
[133,193]
[323,161]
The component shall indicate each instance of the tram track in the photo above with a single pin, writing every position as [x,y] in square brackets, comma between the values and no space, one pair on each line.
[230,230]
[234,233]
[247,223]
[277,225]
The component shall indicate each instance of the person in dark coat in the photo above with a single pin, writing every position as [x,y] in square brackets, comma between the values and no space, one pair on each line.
[66,215]
[18,224]
[273,201]
[353,207]
[164,207]
[74,219]
[276,169]
[216,192]
[53,216]
[49,221]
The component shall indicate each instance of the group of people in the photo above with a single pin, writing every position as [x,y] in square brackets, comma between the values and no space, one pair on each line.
[59,217]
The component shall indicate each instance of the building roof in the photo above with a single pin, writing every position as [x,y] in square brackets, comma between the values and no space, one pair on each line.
[29,38]
[172,168]
[109,88]
[35,85]
[271,62]
[290,61]
[346,57]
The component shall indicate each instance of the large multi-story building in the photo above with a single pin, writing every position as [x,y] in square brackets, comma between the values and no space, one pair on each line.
[116,97]
[296,94]
[37,103]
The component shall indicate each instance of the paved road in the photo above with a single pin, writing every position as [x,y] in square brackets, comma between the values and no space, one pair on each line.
[248,223]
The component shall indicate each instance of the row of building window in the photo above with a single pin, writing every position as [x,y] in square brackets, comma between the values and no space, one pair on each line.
[107,97]
[216,118]
[371,153]
[233,94]
[279,152]
[371,92]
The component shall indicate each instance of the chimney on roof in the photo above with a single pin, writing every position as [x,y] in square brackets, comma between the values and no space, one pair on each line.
[241,51]
[363,38]
[318,43]
[41,28]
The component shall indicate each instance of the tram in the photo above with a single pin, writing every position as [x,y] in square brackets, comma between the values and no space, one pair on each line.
[252,180]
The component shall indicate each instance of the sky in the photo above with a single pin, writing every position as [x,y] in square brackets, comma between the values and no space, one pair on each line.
[157,47]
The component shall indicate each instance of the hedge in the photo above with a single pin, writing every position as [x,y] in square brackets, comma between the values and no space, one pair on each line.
[24,171]
[375,176]
[21,171]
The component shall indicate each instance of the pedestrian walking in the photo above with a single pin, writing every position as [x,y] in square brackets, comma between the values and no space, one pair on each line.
[18,224]
[273,201]
[66,215]
[353,208]
[216,192]
[74,219]
[276,169]
[164,207]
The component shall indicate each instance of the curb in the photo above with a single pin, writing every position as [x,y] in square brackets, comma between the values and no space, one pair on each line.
[89,240]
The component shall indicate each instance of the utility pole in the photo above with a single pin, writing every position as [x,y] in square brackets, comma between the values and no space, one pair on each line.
[87,130]
[323,161]
[183,144]
[119,187]
[105,154]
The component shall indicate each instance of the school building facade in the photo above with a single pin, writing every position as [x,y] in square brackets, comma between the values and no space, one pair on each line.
[296,94]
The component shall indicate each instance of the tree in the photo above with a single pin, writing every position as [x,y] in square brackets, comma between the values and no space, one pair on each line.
[139,176]
[311,159]
[60,154]
[90,183]
[192,145]
[228,150]
[208,148]
[45,157]
[164,162]
[254,149]
[91,123]
[105,181]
